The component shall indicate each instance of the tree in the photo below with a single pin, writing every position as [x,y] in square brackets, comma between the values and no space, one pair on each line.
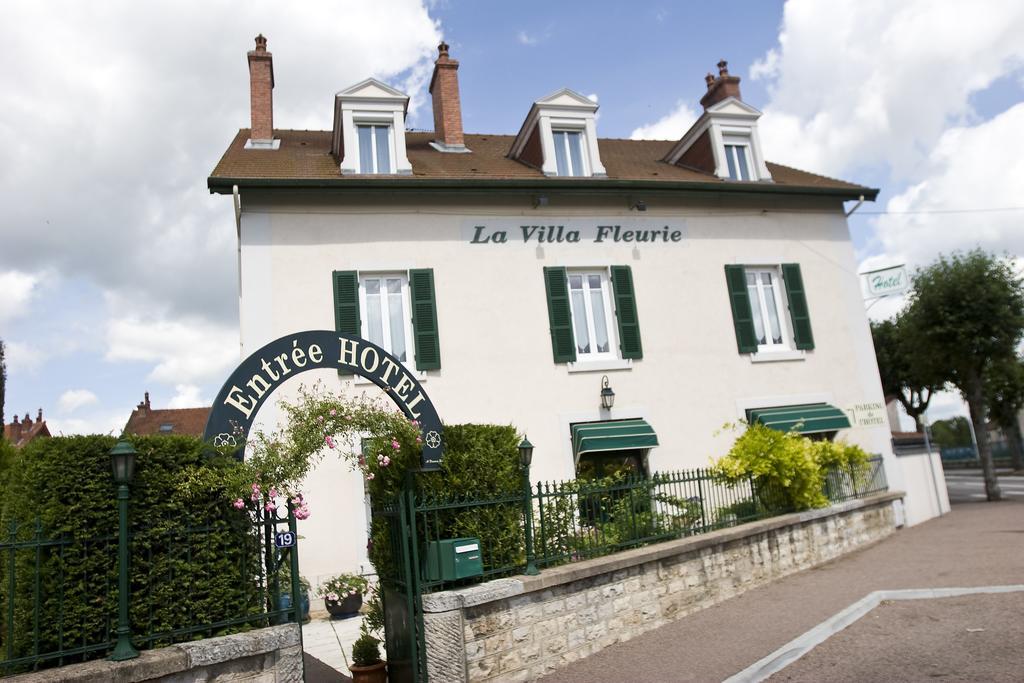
[3,387]
[966,314]
[905,374]
[952,432]
[1004,393]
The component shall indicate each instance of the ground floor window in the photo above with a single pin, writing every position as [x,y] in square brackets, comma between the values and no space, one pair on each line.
[600,464]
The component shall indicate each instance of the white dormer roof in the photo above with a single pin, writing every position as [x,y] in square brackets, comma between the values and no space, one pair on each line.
[730,121]
[561,110]
[370,102]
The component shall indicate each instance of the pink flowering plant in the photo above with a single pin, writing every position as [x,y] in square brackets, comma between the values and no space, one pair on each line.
[371,435]
[342,586]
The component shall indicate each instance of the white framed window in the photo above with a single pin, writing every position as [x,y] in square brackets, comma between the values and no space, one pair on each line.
[764,287]
[375,148]
[593,321]
[384,298]
[737,159]
[570,152]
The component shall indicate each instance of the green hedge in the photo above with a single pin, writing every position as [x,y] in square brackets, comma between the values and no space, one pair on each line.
[481,462]
[194,558]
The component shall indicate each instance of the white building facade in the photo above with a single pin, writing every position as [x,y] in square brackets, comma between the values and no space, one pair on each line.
[514,274]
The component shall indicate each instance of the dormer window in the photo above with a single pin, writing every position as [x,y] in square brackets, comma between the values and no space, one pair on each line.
[737,158]
[369,129]
[569,155]
[374,148]
[724,140]
[559,136]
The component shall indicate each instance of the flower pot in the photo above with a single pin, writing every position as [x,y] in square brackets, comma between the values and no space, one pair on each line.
[344,608]
[285,602]
[374,673]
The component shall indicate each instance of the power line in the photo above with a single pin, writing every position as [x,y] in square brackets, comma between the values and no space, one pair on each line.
[927,211]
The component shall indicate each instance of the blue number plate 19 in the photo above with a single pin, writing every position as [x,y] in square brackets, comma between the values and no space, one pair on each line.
[284,539]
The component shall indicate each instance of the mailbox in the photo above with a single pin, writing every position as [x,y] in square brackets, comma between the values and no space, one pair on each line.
[451,559]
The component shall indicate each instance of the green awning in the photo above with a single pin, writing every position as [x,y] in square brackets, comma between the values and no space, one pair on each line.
[614,435]
[806,419]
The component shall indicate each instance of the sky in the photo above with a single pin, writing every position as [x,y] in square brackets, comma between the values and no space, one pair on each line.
[117,267]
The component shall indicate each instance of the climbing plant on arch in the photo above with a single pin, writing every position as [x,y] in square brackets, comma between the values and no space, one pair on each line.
[374,438]
[259,375]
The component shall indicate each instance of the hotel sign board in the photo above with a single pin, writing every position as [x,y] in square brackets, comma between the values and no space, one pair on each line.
[868,414]
[259,375]
[570,231]
[887,281]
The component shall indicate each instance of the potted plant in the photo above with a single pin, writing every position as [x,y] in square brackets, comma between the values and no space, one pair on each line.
[367,666]
[285,597]
[343,595]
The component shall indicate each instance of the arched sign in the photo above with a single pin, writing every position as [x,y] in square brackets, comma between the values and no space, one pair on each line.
[252,383]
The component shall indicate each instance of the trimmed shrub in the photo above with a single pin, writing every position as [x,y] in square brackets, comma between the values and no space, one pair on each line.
[787,470]
[481,462]
[194,559]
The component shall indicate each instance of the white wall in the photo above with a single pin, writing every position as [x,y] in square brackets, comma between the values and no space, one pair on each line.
[496,352]
[925,485]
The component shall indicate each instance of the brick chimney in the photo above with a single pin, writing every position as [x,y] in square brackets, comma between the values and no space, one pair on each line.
[144,404]
[722,87]
[444,87]
[261,96]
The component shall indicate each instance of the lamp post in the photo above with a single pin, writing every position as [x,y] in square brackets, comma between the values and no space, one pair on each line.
[607,395]
[122,457]
[525,458]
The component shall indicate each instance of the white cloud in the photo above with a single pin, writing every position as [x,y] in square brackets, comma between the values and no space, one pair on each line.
[73,399]
[16,290]
[855,83]
[946,404]
[21,357]
[977,166]
[187,396]
[669,127]
[106,151]
[184,350]
[525,38]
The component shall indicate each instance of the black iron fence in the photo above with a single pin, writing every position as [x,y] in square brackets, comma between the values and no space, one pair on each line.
[578,519]
[58,593]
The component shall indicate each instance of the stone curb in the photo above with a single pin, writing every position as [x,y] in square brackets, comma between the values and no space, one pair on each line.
[171,660]
[498,589]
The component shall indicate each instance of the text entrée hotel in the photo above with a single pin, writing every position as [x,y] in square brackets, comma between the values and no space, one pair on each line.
[551,234]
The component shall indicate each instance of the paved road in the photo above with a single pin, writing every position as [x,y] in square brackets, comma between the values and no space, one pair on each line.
[978,544]
[967,486]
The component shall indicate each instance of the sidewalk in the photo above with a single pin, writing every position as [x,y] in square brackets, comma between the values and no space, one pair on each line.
[977,544]
[330,641]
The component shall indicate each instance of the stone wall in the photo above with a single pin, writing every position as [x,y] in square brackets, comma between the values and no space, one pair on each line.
[266,655]
[522,628]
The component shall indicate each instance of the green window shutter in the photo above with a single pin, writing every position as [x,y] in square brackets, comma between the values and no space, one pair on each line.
[742,317]
[563,344]
[625,312]
[424,319]
[798,313]
[346,305]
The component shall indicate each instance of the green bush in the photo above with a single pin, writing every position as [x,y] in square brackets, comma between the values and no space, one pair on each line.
[194,558]
[8,460]
[787,470]
[480,462]
[366,650]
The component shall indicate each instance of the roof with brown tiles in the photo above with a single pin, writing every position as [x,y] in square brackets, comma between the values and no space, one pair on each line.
[306,156]
[145,421]
[20,432]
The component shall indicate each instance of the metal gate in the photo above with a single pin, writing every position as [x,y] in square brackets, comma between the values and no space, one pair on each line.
[400,589]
